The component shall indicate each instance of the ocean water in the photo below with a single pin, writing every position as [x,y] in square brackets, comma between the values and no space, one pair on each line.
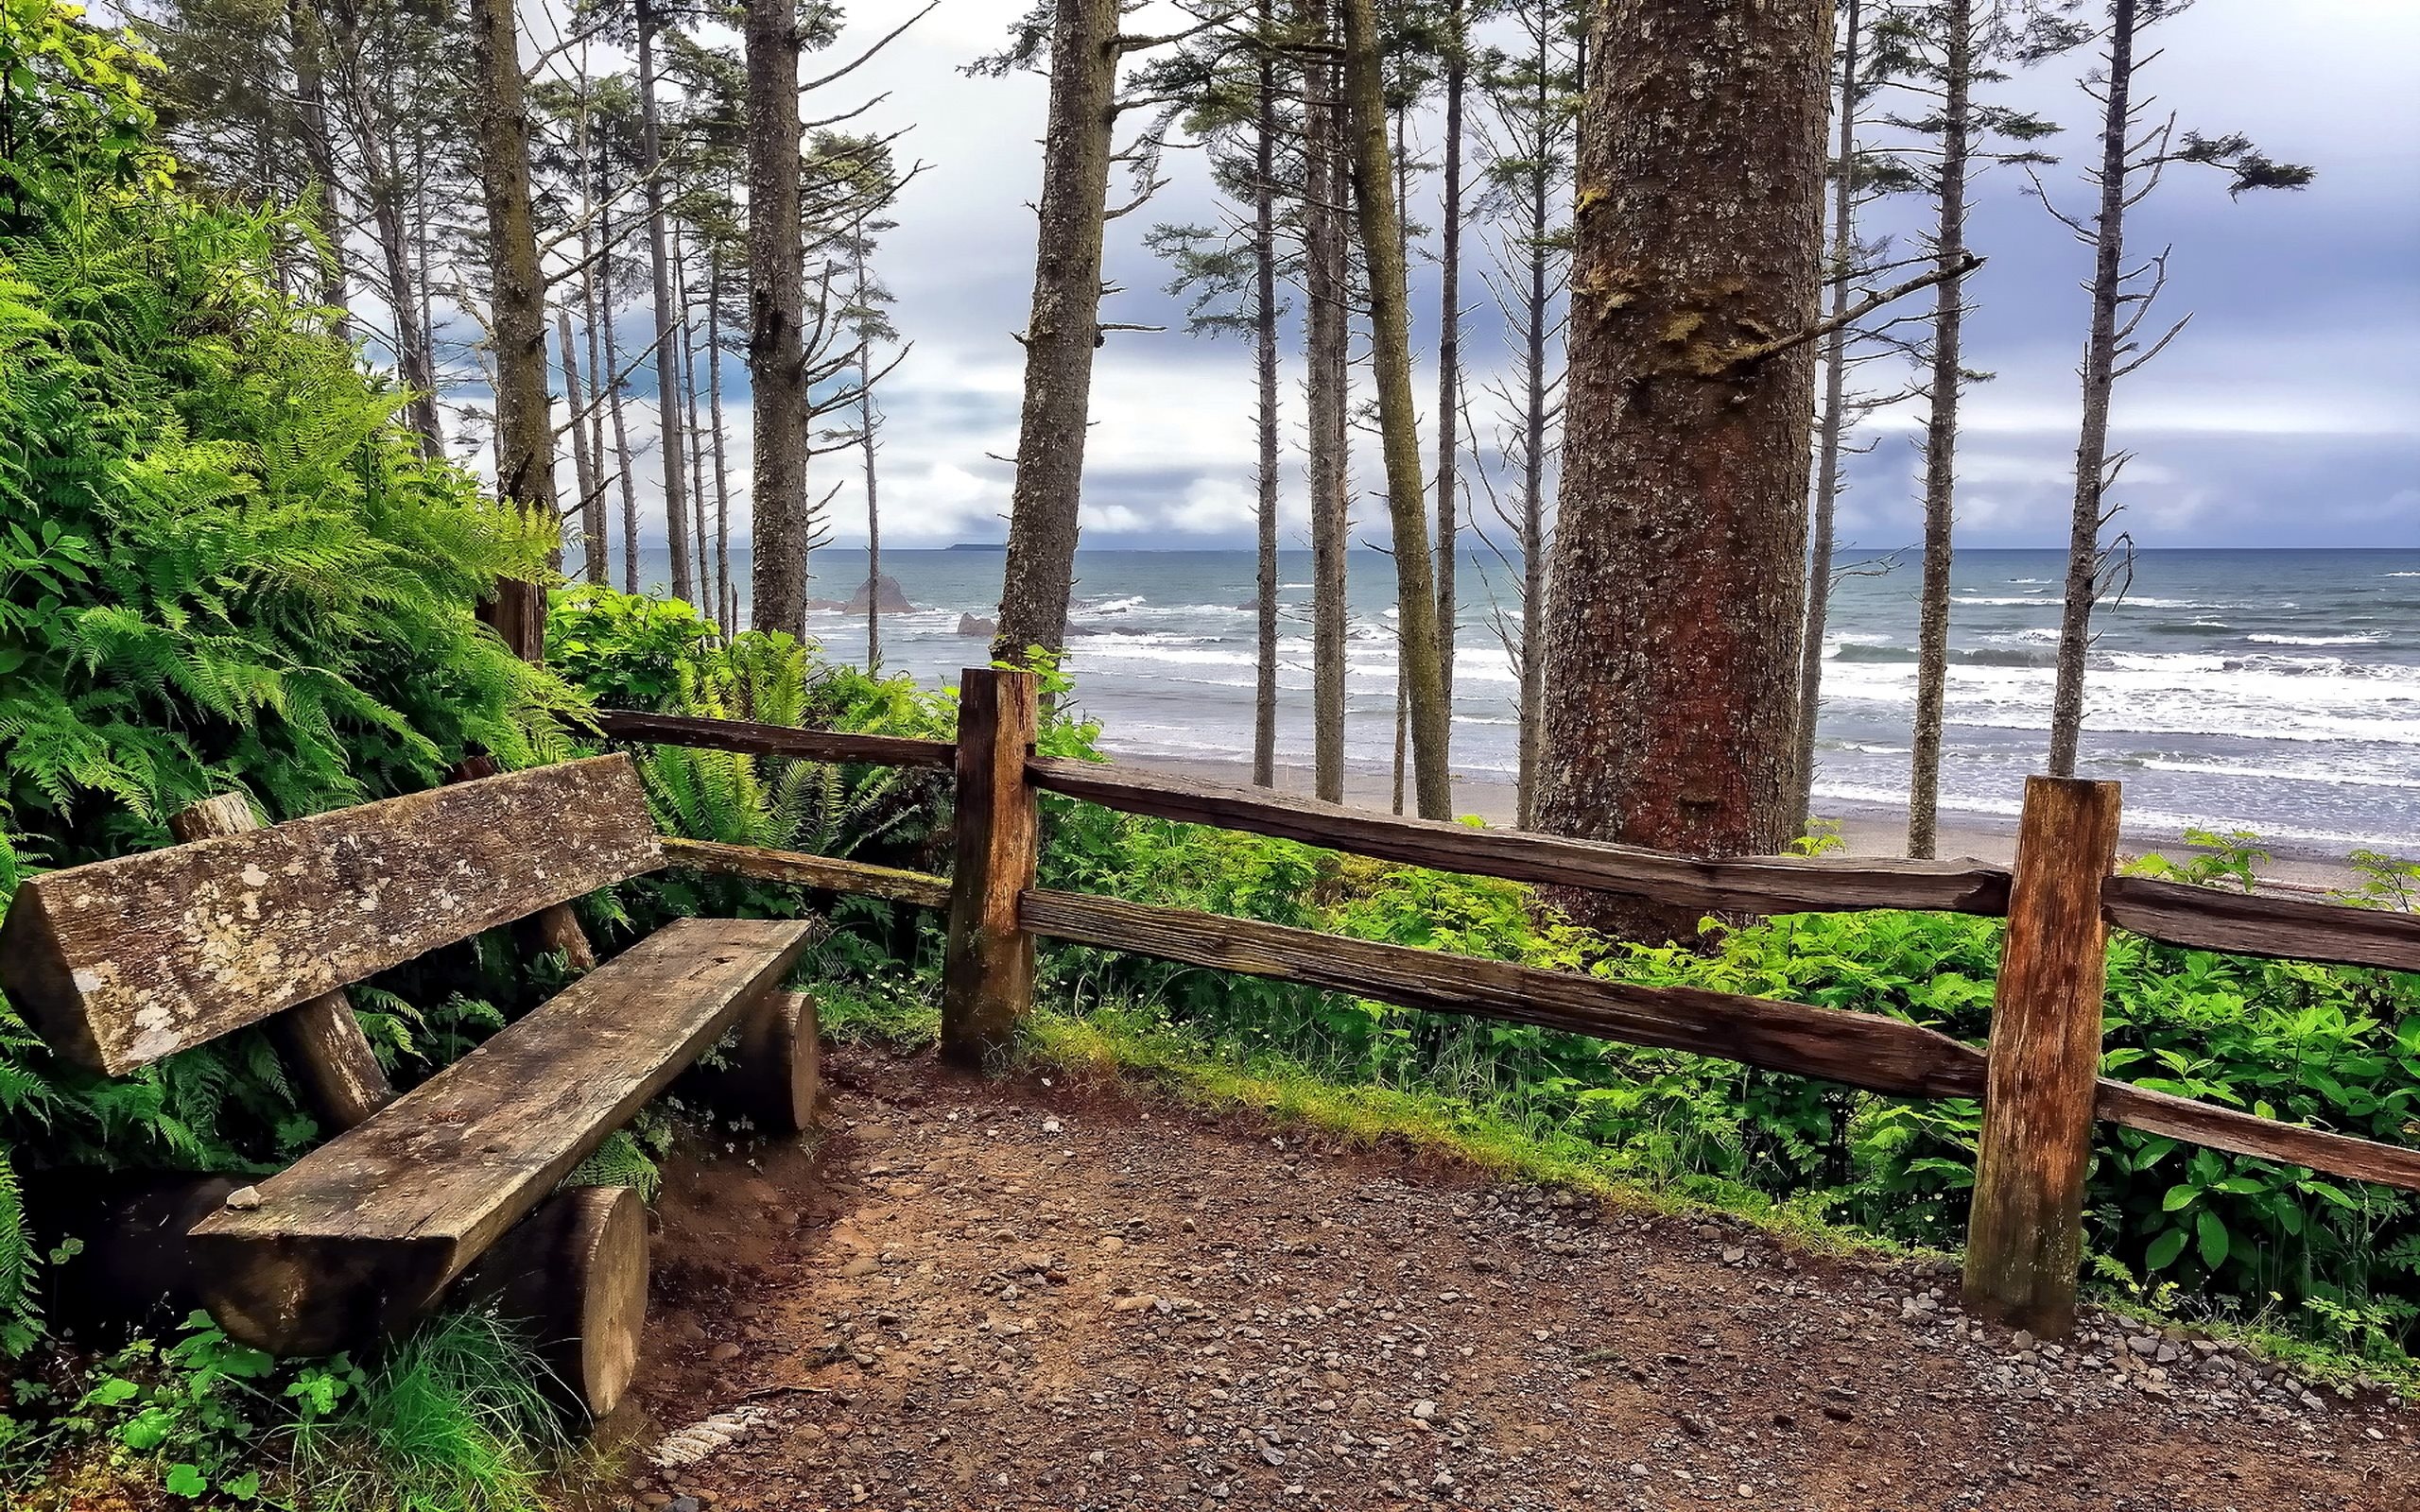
[2275,691]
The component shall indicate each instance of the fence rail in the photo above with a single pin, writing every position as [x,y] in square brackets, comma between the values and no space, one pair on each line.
[2038,1076]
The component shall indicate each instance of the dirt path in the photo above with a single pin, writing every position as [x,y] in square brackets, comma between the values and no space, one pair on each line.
[1014,1295]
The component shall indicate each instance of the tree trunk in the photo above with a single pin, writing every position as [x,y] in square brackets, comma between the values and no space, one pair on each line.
[1449,360]
[1264,247]
[697,443]
[776,323]
[1326,287]
[589,508]
[1382,249]
[625,472]
[309,41]
[2099,377]
[723,601]
[1063,331]
[1835,420]
[1678,578]
[667,379]
[415,365]
[1941,435]
[1534,556]
[873,507]
[524,440]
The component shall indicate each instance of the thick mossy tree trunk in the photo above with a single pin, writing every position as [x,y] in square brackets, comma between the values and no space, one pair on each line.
[668,328]
[1941,428]
[1382,249]
[524,441]
[1679,577]
[776,322]
[1063,331]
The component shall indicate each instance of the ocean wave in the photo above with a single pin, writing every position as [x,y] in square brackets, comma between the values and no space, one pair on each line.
[2035,602]
[2334,777]
[2366,638]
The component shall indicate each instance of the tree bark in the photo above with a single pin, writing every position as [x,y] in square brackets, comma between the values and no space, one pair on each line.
[698,442]
[1678,578]
[1327,286]
[1535,558]
[1382,251]
[1449,359]
[625,472]
[1264,247]
[724,603]
[308,39]
[589,508]
[1063,331]
[1941,432]
[2099,377]
[1835,419]
[524,440]
[415,364]
[873,507]
[668,378]
[776,323]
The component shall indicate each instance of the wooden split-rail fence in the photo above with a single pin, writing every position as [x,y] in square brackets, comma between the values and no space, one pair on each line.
[2038,1077]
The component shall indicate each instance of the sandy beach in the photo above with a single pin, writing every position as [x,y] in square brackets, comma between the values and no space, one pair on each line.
[1865,830]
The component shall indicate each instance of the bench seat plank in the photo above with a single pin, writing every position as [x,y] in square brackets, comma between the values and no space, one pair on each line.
[367,1229]
[124,961]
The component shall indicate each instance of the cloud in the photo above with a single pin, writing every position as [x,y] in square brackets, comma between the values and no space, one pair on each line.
[2287,412]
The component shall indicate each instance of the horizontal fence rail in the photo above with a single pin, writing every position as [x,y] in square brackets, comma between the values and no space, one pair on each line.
[1857,1049]
[1759,884]
[837,746]
[2046,1018]
[2244,923]
[824,873]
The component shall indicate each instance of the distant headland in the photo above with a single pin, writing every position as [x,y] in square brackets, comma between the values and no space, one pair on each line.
[980,545]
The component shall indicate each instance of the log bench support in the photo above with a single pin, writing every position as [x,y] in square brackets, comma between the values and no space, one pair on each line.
[2024,1230]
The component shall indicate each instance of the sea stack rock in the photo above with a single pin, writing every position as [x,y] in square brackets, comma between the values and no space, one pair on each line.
[890,600]
[975,627]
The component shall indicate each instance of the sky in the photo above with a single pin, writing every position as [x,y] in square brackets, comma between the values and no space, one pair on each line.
[2288,413]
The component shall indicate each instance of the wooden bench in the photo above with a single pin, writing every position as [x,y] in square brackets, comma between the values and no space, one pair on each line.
[120,963]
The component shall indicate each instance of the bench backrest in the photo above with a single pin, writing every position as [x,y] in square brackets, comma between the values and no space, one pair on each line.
[122,962]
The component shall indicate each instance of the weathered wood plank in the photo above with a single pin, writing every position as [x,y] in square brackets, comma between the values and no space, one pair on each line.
[840,746]
[554,929]
[364,1232]
[825,873]
[318,1039]
[987,973]
[124,961]
[2299,929]
[1759,884]
[1856,1049]
[2025,1226]
[2241,1133]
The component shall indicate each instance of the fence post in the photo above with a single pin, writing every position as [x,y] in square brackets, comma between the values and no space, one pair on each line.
[987,978]
[2024,1233]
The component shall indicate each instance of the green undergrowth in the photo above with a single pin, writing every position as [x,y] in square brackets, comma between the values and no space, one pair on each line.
[455,1417]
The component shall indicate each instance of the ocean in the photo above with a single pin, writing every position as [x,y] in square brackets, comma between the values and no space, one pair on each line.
[2271,691]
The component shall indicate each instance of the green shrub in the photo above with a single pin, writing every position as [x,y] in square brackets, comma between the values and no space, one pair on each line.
[223,567]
